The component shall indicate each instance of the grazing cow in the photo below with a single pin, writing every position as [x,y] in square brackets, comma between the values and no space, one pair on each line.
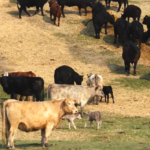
[79,3]
[24,86]
[132,11]
[119,1]
[108,90]
[66,75]
[131,54]
[100,17]
[121,28]
[33,116]
[136,32]
[71,118]
[81,93]
[24,74]
[55,10]
[146,21]
[30,3]
[94,116]
[146,35]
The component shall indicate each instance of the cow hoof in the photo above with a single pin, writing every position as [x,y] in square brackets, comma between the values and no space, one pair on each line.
[134,74]
[46,145]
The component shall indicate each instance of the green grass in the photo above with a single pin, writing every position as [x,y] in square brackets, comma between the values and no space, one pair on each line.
[132,83]
[133,2]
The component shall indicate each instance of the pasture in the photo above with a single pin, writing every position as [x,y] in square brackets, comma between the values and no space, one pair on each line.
[35,44]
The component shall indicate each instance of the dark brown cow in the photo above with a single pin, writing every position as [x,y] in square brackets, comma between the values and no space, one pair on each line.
[24,74]
[55,10]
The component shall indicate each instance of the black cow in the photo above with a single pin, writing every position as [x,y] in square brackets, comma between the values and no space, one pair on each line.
[132,11]
[146,35]
[30,3]
[79,3]
[146,21]
[121,28]
[136,32]
[108,90]
[131,54]
[100,17]
[119,1]
[66,75]
[25,86]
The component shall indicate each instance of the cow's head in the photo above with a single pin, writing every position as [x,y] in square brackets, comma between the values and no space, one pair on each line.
[145,19]
[69,107]
[79,80]
[98,91]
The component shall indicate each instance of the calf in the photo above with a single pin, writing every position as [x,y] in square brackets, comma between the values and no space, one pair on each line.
[121,28]
[79,3]
[94,116]
[136,32]
[55,10]
[119,1]
[79,92]
[25,86]
[132,11]
[33,116]
[146,21]
[71,118]
[131,54]
[108,90]
[66,75]
[30,3]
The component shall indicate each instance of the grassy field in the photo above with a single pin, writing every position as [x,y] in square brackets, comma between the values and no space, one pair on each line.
[35,44]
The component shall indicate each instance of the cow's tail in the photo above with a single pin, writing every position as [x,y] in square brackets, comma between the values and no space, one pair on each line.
[4,121]
[88,22]
[18,5]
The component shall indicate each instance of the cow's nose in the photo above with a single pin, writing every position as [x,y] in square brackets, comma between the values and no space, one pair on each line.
[76,111]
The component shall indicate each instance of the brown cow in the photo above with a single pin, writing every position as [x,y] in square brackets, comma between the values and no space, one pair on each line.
[24,74]
[55,10]
[25,117]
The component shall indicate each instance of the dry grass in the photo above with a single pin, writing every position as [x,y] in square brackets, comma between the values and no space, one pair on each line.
[34,43]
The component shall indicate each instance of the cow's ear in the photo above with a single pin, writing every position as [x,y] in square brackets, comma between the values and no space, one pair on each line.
[75,101]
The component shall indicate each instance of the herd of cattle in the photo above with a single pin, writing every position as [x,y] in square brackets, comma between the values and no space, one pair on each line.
[64,95]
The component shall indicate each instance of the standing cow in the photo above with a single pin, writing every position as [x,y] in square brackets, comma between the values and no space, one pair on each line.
[131,54]
[79,3]
[66,75]
[119,1]
[79,92]
[30,3]
[24,86]
[132,11]
[55,10]
[29,116]
[146,21]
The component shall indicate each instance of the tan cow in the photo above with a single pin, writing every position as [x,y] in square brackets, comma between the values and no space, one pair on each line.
[33,116]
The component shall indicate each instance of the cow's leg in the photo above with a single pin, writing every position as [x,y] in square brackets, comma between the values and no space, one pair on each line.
[69,124]
[106,3]
[58,21]
[97,97]
[25,10]
[7,129]
[42,136]
[128,69]
[20,10]
[115,37]
[135,68]
[18,97]
[11,136]
[42,11]
[82,111]
[119,6]
[54,19]
[79,11]
[112,96]
[62,10]
[106,28]
[85,11]
[107,98]
[98,124]
[48,130]
[109,4]
[120,41]
[37,10]
[73,124]
[90,122]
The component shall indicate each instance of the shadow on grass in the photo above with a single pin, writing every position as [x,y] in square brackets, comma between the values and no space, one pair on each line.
[146,77]
[116,69]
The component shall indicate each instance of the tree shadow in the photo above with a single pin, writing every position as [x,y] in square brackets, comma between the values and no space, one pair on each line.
[146,77]
[13,1]
[116,69]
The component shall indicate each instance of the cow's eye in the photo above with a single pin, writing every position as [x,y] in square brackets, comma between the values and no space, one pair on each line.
[69,104]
